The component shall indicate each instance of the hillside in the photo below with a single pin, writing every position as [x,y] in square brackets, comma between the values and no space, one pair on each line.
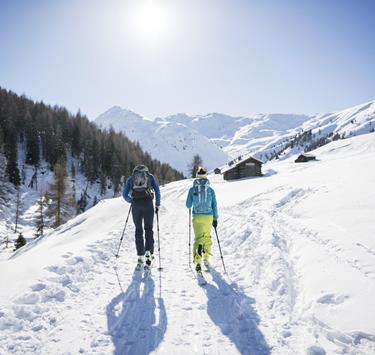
[167,140]
[298,246]
[60,160]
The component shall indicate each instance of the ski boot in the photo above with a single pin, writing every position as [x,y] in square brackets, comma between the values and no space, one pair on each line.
[200,278]
[149,258]
[147,268]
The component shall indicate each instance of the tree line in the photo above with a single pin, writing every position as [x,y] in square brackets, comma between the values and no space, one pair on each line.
[51,135]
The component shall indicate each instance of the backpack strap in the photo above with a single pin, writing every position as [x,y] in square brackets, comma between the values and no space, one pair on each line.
[201,185]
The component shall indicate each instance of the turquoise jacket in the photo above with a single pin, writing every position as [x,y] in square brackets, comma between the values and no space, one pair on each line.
[202,198]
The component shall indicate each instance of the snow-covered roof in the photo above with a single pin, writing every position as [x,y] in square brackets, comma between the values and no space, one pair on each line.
[308,155]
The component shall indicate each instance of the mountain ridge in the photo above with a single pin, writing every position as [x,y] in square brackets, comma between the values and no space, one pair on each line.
[219,137]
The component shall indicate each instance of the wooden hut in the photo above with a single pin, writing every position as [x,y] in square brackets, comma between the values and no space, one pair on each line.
[244,168]
[303,158]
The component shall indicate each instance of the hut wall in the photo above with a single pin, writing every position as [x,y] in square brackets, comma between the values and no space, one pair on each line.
[243,170]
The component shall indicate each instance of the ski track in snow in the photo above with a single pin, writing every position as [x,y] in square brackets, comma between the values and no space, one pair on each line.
[272,224]
[214,319]
[92,303]
[217,318]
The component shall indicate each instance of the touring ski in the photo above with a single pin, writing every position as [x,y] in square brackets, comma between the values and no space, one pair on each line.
[146,272]
[200,278]
[207,266]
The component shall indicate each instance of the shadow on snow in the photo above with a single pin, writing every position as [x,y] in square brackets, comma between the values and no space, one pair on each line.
[131,319]
[232,311]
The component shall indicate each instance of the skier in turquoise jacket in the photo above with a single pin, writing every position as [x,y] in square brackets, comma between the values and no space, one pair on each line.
[202,199]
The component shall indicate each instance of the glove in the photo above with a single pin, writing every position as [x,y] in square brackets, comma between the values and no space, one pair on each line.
[214,223]
[157,209]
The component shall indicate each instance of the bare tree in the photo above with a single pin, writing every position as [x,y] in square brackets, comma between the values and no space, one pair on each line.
[6,240]
[60,174]
[34,179]
[195,164]
[56,192]
[60,198]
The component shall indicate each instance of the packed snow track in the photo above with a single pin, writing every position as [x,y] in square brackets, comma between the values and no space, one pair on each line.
[298,246]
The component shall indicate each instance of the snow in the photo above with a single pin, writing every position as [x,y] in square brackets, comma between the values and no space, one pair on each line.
[219,138]
[166,140]
[29,197]
[297,243]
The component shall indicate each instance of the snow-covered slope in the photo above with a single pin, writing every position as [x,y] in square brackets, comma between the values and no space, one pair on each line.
[256,135]
[174,139]
[264,135]
[298,246]
[30,194]
[168,141]
[353,121]
[322,129]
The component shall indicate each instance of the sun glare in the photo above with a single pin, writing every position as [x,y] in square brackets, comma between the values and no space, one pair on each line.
[151,21]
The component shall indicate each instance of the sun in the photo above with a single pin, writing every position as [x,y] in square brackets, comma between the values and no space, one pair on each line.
[151,21]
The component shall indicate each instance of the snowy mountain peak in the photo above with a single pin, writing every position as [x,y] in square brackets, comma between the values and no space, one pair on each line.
[172,140]
[219,137]
[118,114]
[119,110]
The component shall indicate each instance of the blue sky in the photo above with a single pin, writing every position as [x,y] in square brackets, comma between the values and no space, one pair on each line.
[159,57]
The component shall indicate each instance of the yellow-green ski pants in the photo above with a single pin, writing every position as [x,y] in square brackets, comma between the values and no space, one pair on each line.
[202,243]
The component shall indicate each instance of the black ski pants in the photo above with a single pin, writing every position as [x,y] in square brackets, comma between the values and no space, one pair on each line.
[143,213]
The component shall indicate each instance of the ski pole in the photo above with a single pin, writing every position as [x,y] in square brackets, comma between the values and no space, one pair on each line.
[189,237]
[157,220]
[123,232]
[221,254]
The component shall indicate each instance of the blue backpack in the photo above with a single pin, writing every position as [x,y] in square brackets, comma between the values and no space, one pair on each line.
[202,196]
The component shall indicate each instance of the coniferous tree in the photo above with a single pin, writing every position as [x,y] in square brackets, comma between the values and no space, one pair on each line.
[23,175]
[32,141]
[12,171]
[116,173]
[73,171]
[18,206]
[49,133]
[82,203]
[1,134]
[20,242]
[103,184]
[4,186]
[39,220]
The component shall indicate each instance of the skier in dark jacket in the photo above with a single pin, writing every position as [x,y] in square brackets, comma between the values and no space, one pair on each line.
[139,191]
